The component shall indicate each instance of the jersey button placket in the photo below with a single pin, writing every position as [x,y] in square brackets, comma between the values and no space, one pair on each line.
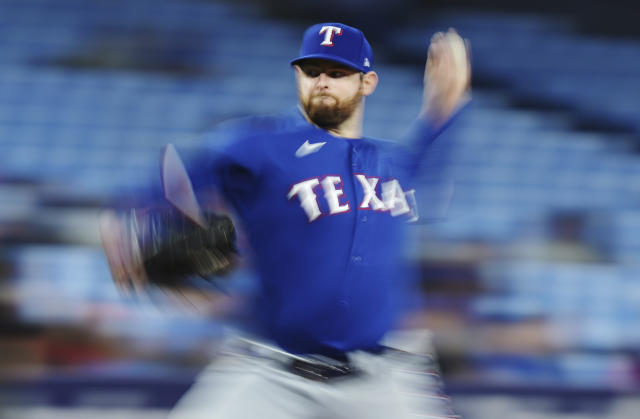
[356,260]
[354,158]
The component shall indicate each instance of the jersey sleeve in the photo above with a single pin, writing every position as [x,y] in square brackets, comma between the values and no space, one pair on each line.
[233,170]
[230,158]
[421,140]
[224,161]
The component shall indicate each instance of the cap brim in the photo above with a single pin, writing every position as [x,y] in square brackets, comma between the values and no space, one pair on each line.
[331,58]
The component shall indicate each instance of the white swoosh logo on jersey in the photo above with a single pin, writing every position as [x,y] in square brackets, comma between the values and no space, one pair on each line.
[307,148]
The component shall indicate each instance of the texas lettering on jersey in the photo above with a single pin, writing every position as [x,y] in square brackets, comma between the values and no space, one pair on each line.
[392,199]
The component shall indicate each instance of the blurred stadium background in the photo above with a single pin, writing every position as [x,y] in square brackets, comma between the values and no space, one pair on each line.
[532,282]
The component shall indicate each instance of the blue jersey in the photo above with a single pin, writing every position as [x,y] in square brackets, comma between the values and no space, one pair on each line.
[325,217]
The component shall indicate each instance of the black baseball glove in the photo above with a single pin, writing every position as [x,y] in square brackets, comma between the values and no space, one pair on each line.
[161,246]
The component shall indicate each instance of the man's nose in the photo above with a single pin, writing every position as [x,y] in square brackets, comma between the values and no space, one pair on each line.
[323,80]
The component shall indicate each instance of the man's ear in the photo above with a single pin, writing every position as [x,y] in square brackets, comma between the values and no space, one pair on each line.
[369,83]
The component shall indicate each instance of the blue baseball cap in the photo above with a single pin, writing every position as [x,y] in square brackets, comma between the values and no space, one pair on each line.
[336,42]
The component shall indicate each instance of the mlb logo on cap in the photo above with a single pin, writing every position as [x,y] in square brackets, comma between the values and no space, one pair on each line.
[337,42]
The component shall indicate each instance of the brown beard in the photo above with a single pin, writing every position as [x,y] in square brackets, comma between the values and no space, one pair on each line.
[331,116]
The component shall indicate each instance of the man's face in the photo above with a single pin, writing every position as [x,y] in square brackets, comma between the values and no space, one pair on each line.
[329,92]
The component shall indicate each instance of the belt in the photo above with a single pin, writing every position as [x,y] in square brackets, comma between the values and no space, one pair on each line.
[321,372]
[326,365]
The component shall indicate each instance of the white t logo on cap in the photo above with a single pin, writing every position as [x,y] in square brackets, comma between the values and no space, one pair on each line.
[328,32]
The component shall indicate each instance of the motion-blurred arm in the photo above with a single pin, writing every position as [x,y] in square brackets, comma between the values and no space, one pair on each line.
[447,89]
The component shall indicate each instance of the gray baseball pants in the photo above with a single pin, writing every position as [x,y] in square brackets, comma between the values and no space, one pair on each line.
[248,382]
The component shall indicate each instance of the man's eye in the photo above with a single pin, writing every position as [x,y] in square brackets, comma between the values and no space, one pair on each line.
[312,72]
[336,74]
